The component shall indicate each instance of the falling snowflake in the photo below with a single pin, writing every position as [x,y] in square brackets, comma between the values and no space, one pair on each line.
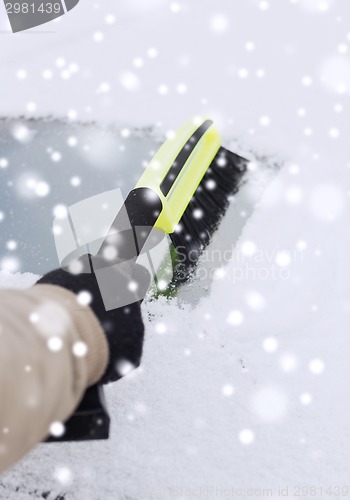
[294,195]
[270,344]
[11,245]
[264,5]
[334,133]
[75,181]
[42,189]
[47,74]
[10,264]
[306,81]
[84,298]
[80,349]
[56,156]
[31,106]
[22,74]
[335,74]
[250,46]
[161,328]
[227,390]
[270,404]
[305,398]
[22,133]
[248,248]
[110,19]
[255,300]
[4,163]
[57,429]
[265,121]
[181,88]
[243,73]
[288,362]
[72,141]
[301,245]
[152,52]
[60,62]
[334,206]
[163,89]
[130,81]
[219,23]
[123,367]
[316,366]
[138,62]
[60,211]
[246,436]
[235,318]
[98,36]
[283,259]
[175,7]
[63,475]
[55,344]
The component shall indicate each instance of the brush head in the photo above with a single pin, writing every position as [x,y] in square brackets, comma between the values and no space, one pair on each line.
[205,211]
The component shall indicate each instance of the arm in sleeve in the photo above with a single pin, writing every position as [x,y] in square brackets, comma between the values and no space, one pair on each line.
[51,349]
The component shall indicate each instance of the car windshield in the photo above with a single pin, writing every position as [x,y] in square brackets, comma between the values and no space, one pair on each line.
[48,165]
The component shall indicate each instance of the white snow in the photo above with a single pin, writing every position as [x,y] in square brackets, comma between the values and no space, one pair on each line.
[18,280]
[177,423]
[285,422]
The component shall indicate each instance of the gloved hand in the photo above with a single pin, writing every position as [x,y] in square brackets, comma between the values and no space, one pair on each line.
[123,326]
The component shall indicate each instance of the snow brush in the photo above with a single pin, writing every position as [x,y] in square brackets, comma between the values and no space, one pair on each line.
[185,191]
[183,194]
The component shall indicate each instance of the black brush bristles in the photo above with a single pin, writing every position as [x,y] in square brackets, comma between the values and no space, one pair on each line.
[205,211]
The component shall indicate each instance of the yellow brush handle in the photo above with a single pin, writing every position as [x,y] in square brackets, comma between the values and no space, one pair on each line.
[187,180]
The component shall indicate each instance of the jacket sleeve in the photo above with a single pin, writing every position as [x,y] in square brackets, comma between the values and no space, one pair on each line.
[51,349]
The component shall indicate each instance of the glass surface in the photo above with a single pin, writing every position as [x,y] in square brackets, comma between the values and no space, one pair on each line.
[45,165]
